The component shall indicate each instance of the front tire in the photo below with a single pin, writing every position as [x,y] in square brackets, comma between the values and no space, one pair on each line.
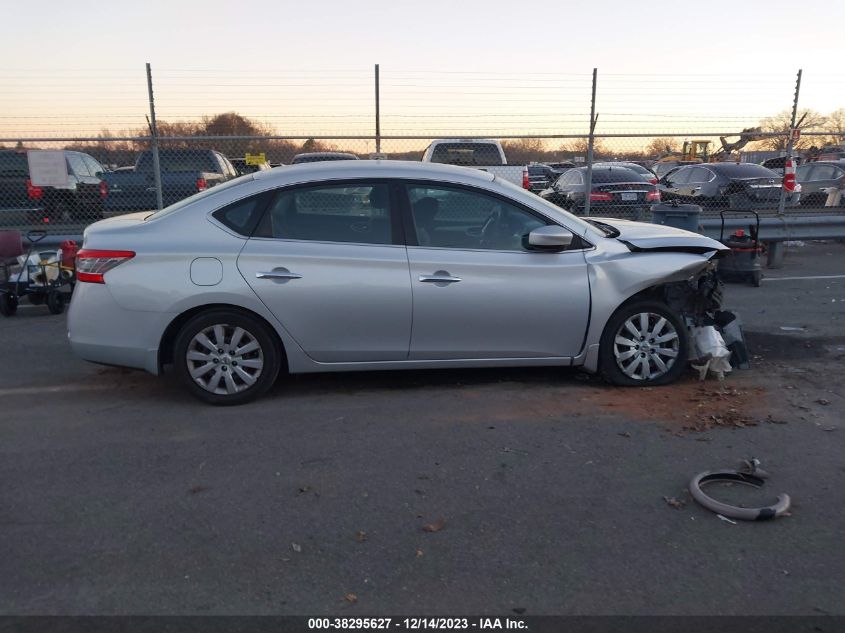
[226,357]
[644,344]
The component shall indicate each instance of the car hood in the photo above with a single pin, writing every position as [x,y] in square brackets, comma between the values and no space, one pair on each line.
[644,236]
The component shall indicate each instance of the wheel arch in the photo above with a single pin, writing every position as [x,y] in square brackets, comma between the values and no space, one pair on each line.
[168,339]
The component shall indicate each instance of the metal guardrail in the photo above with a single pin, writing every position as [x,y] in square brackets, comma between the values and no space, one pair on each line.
[781,229]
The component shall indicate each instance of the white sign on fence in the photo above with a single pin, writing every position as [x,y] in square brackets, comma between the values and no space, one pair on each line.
[47,168]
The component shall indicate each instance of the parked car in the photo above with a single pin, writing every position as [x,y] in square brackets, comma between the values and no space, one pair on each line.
[817,176]
[562,166]
[292,270]
[184,172]
[22,203]
[316,157]
[484,154]
[613,189]
[660,169]
[540,177]
[737,186]
[648,175]
[242,167]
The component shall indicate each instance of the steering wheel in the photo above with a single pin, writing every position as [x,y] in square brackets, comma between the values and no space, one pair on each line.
[490,226]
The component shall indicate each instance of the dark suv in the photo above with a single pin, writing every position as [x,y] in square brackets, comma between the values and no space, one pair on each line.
[22,203]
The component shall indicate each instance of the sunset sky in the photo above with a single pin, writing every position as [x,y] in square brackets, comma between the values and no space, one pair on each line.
[472,67]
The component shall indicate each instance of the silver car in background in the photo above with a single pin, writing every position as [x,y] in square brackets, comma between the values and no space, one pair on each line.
[373,265]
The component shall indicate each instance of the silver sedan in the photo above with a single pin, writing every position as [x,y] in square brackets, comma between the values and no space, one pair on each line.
[383,265]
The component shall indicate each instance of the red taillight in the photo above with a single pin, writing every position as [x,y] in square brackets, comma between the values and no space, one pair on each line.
[104,190]
[526,184]
[202,185]
[653,181]
[653,196]
[34,193]
[601,196]
[92,265]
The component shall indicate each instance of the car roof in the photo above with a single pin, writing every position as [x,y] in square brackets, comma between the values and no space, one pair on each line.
[336,170]
[311,154]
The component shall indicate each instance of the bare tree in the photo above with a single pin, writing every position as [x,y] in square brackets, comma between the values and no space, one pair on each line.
[835,125]
[580,147]
[662,145]
[524,150]
[780,123]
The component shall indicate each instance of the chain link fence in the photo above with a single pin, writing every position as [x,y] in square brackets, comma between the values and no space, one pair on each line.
[126,144]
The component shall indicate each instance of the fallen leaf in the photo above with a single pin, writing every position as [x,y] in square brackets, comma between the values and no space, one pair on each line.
[419,552]
[625,434]
[675,503]
[351,598]
[436,526]
[296,547]
[360,536]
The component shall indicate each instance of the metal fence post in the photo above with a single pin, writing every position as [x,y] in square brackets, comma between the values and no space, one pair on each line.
[378,116]
[154,135]
[789,143]
[590,143]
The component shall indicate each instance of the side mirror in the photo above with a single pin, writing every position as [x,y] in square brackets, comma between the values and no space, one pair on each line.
[552,238]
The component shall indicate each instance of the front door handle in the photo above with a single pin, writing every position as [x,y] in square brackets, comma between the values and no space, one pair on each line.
[279,274]
[438,278]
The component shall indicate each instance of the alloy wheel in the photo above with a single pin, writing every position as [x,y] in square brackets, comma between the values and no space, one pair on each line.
[646,346]
[224,359]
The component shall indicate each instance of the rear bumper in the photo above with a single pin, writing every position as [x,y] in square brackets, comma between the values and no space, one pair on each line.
[101,331]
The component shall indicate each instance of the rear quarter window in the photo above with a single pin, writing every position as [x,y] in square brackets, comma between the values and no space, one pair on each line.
[243,215]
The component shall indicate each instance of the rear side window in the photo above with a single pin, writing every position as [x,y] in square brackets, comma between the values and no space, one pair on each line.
[242,216]
[13,164]
[357,212]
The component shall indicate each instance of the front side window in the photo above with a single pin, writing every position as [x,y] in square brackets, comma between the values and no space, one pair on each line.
[447,217]
[352,212]
[802,174]
[94,168]
[77,165]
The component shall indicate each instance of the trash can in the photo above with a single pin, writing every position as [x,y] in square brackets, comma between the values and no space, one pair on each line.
[680,216]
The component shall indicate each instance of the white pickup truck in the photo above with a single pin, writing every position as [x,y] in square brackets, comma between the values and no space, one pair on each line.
[485,154]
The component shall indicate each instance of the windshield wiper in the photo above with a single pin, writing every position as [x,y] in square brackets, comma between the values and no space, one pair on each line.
[605,228]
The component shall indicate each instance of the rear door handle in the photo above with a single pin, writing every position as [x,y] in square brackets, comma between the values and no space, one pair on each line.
[439,279]
[278,273]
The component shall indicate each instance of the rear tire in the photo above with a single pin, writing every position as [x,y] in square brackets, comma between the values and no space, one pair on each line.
[8,304]
[644,344]
[226,357]
[55,302]
[739,202]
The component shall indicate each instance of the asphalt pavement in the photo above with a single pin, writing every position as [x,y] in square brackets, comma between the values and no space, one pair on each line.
[530,491]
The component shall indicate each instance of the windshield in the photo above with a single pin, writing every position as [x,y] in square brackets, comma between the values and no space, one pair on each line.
[213,191]
[615,174]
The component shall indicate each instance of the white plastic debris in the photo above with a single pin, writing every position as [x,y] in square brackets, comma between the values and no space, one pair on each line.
[711,351]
